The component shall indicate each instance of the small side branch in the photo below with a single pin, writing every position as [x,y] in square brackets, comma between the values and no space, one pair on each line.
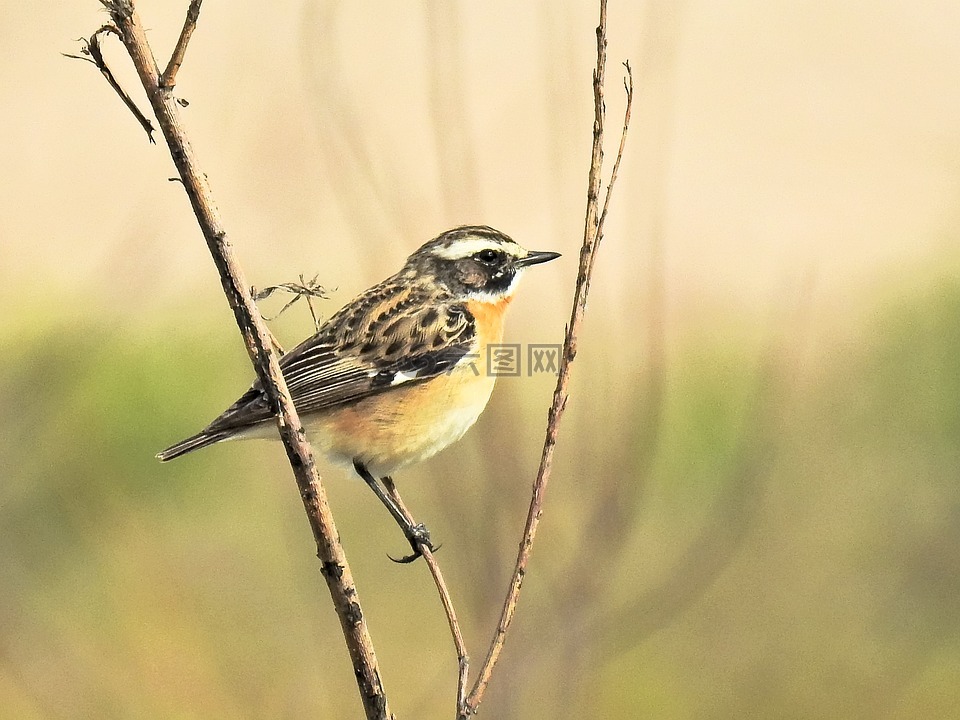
[592,236]
[169,77]
[628,90]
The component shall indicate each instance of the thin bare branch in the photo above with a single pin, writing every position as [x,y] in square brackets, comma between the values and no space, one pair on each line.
[592,236]
[463,661]
[169,77]
[334,565]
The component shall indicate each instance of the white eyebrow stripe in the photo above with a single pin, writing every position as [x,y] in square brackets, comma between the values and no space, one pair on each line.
[468,246]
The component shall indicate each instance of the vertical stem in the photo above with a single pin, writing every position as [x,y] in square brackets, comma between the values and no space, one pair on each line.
[334,565]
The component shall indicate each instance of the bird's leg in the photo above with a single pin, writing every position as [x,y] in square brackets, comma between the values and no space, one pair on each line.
[424,542]
[416,533]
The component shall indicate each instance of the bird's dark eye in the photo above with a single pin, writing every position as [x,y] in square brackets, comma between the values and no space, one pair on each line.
[488,257]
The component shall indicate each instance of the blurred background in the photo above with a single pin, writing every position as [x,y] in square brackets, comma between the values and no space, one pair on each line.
[755,510]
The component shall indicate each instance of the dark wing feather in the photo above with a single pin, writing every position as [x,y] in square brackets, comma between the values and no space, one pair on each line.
[390,336]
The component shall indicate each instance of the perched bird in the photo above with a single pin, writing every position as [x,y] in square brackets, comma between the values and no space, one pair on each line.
[399,373]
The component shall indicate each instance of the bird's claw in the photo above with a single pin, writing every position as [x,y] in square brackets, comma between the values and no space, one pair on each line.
[419,538]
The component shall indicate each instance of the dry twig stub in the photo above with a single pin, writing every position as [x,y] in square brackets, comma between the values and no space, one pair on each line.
[92,53]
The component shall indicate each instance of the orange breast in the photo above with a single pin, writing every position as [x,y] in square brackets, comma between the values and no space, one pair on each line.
[489,321]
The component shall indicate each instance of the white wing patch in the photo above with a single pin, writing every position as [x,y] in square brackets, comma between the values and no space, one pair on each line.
[402,377]
[398,377]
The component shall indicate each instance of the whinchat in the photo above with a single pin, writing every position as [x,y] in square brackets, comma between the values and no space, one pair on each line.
[393,377]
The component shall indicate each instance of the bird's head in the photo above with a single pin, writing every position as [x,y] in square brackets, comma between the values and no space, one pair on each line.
[475,262]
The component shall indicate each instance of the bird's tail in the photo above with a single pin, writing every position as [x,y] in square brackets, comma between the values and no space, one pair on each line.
[195,442]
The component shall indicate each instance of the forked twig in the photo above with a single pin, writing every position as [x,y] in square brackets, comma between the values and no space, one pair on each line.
[334,567]
[592,236]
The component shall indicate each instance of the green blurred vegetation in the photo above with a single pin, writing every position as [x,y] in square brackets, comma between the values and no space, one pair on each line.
[776,538]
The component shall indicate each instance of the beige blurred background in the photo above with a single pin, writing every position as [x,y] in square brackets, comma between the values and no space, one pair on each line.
[755,510]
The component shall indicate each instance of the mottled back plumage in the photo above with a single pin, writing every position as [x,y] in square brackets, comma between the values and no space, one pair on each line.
[386,337]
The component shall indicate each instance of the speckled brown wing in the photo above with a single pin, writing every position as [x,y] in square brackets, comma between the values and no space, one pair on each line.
[393,334]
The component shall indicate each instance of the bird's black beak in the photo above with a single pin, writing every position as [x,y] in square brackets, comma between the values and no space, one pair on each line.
[535,257]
